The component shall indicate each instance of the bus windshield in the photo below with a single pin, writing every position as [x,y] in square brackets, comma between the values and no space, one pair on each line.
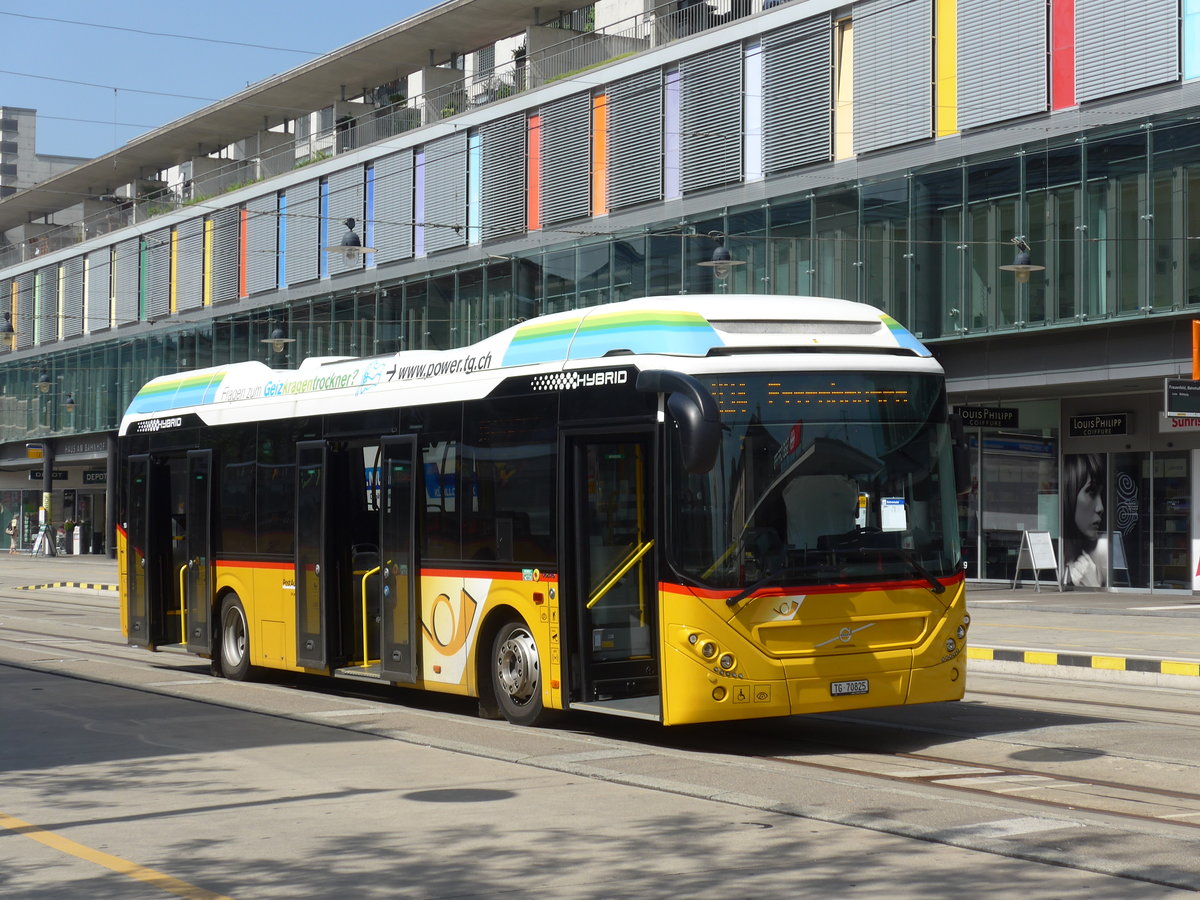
[822,478]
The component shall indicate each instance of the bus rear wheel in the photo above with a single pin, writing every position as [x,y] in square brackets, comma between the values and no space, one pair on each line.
[234,639]
[517,675]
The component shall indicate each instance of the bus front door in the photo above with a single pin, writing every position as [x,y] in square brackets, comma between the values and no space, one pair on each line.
[398,560]
[198,541]
[153,604]
[611,574]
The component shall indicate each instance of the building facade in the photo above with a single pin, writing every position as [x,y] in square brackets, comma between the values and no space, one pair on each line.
[895,152]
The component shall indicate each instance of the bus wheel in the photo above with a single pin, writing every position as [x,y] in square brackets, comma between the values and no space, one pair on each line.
[517,675]
[235,640]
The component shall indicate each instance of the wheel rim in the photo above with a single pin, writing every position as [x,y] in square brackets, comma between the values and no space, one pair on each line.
[233,641]
[518,669]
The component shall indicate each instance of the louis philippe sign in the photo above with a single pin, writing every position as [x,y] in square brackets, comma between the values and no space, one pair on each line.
[1099,424]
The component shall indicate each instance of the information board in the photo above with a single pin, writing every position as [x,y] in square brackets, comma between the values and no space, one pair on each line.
[1181,398]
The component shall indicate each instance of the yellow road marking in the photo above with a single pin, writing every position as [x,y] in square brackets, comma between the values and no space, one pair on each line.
[115,863]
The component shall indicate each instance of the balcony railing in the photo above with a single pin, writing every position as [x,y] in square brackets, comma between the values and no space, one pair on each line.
[577,53]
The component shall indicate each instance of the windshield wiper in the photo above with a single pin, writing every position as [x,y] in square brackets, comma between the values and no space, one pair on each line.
[934,585]
[775,574]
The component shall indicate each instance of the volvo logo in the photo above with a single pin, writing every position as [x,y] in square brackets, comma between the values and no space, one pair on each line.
[844,635]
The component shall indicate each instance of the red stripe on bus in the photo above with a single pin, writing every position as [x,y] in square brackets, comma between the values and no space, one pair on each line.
[856,587]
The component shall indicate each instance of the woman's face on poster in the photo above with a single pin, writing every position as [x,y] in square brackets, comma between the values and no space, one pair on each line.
[1089,510]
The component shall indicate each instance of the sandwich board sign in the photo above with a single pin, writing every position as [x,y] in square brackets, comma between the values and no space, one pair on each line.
[1037,554]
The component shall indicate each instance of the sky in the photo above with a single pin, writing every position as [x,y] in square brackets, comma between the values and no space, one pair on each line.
[81,114]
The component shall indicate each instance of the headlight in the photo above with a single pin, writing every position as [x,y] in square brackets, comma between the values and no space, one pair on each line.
[727,661]
[692,638]
[966,620]
[961,633]
[950,645]
[708,649]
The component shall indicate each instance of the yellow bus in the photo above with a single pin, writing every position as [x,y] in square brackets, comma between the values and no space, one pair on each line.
[682,509]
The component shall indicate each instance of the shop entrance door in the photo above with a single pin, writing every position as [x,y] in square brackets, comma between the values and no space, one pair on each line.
[1149,530]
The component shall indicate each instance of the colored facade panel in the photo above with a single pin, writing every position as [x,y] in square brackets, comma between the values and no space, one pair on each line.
[1062,54]
[533,213]
[946,60]
[600,154]
[1191,38]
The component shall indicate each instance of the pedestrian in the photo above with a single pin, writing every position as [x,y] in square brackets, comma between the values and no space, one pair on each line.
[11,531]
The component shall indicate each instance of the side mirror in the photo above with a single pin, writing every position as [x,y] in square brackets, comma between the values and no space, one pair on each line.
[961,454]
[695,411]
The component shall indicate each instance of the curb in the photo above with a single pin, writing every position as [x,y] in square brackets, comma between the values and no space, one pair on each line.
[1108,664]
[67,584]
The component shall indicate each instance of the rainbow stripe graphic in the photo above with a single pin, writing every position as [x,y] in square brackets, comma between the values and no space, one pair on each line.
[903,337]
[172,393]
[593,335]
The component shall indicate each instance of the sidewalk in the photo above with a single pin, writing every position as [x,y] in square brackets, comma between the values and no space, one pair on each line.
[1117,635]
[1150,638]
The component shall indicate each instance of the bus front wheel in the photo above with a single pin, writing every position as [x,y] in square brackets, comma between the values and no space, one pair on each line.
[235,639]
[517,675]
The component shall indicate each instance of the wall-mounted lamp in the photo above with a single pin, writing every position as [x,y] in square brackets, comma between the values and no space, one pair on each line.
[721,260]
[1022,264]
[43,383]
[69,403]
[8,337]
[278,339]
[351,245]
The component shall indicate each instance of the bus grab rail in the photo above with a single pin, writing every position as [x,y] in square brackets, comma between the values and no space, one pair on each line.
[628,563]
[366,660]
[183,603]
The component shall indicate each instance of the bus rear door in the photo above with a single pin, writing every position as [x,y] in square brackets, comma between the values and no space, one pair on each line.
[610,573]
[198,541]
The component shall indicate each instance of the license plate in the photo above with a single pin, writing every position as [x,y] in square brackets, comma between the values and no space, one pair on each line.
[841,688]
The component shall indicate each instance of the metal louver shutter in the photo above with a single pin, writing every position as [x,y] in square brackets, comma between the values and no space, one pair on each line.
[1122,48]
[46,301]
[566,174]
[24,324]
[893,73]
[127,268]
[394,207]
[635,140]
[446,193]
[303,232]
[710,139]
[99,289]
[798,94]
[71,302]
[345,202]
[189,260]
[262,239]
[503,176]
[225,255]
[989,44]
[158,274]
